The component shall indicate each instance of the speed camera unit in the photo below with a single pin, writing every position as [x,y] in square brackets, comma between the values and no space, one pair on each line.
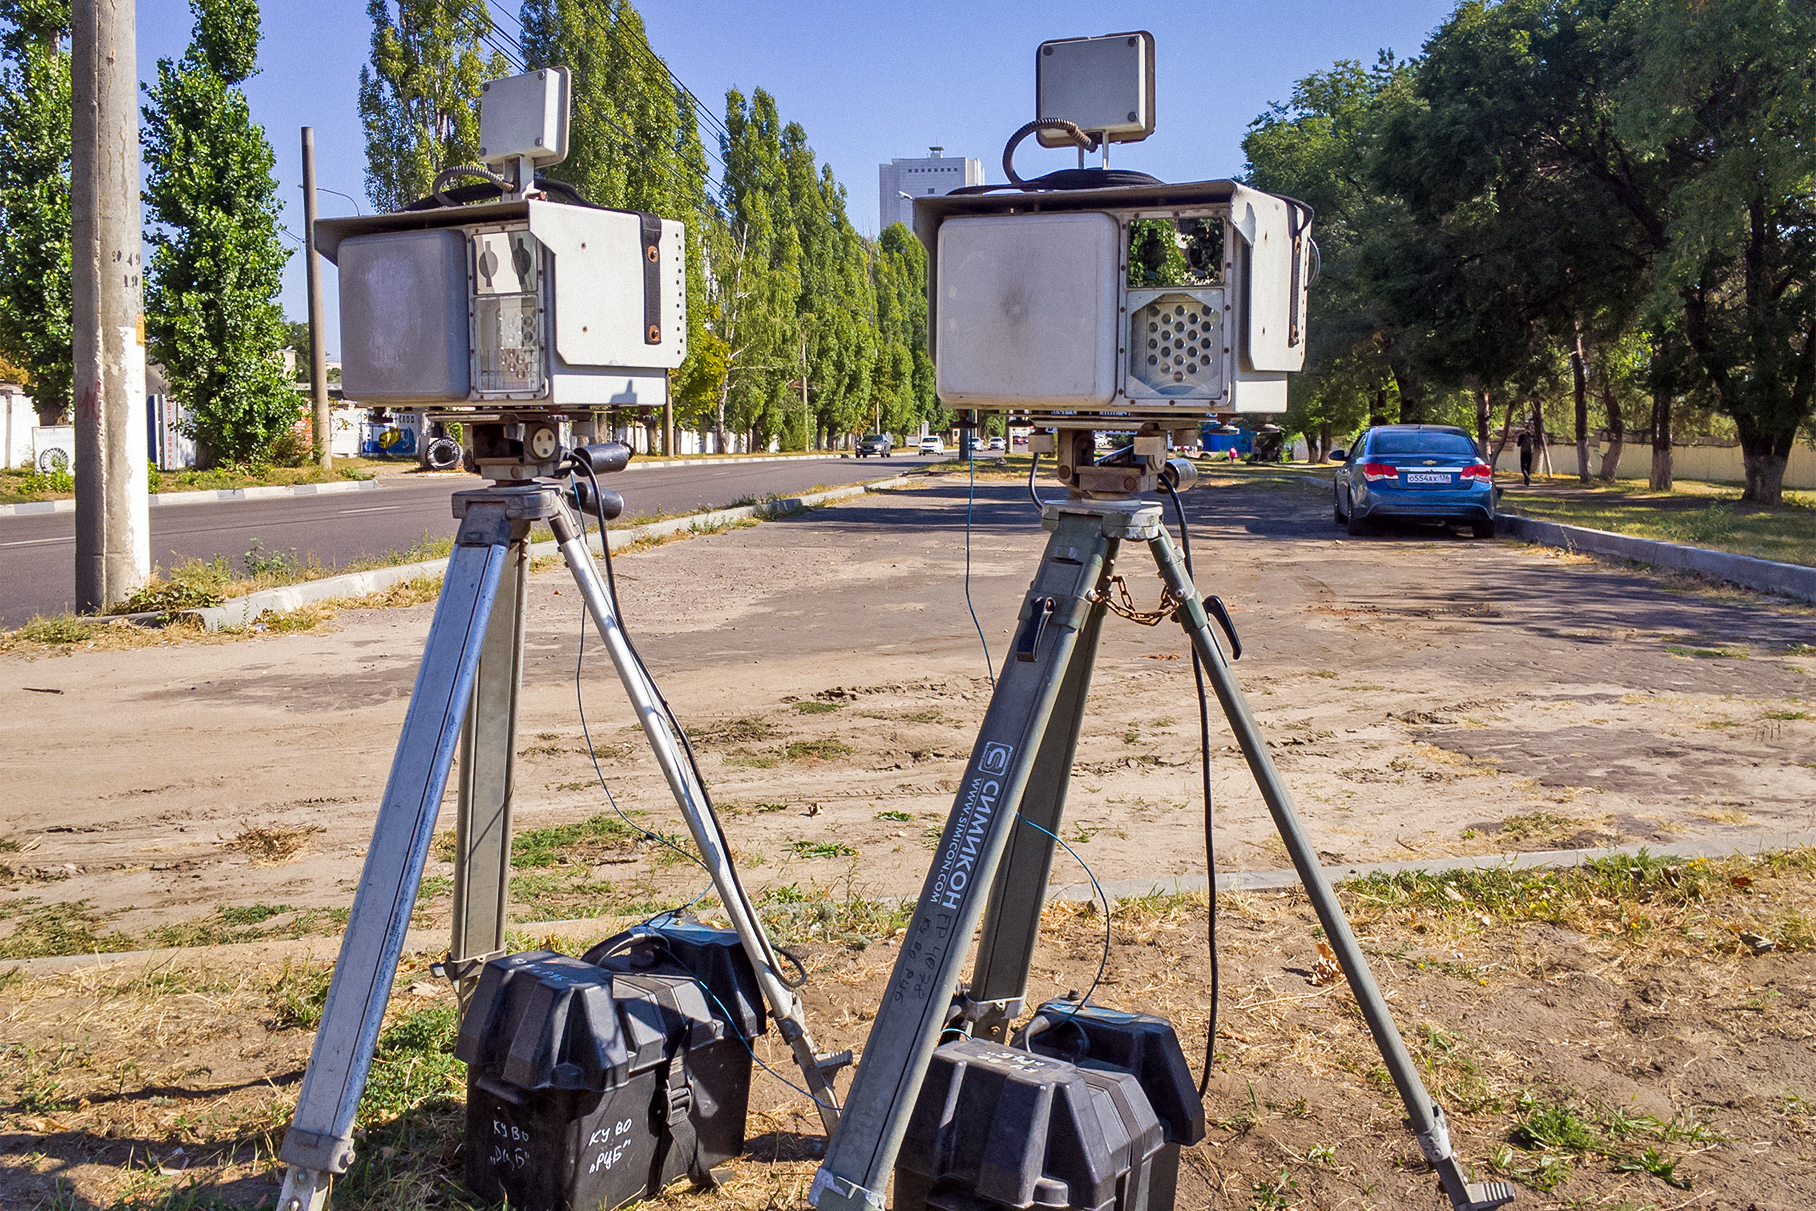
[1117,306]
[531,304]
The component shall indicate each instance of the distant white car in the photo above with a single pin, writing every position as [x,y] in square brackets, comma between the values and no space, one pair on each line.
[996,443]
[932,445]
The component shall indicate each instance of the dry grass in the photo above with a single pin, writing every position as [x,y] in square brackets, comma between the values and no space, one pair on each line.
[272,846]
[105,1069]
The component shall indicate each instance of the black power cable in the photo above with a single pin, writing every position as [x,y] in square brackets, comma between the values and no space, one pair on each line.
[1210,848]
[774,956]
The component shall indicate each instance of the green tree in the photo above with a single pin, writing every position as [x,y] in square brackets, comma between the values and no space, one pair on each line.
[758,268]
[1651,161]
[419,97]
[216,262]
[1721,104]
[1363,358]
[904,370]
[35,331]
[634,143]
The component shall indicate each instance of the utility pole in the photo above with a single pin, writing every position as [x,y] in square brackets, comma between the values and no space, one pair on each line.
[318,354]
[113,523]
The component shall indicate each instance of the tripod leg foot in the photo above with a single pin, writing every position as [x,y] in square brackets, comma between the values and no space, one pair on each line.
[304,1190]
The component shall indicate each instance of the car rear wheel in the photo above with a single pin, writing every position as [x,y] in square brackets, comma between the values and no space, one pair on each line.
[1337,507]
[1482,529]
[1358,524]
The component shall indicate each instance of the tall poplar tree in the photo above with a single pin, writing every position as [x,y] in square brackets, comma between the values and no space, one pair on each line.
[35,332]
[633,143]
[216,263]
[419,97]
[758,274]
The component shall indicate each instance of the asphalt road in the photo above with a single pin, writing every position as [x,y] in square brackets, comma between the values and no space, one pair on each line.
[37,551]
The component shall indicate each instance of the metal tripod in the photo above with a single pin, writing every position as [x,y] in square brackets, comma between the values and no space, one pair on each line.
[466,694]
[1020,766]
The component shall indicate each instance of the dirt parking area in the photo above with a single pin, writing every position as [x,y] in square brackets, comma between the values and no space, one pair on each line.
[1426,695]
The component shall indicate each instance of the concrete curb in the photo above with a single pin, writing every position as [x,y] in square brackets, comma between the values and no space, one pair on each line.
[355,485]
[243,611]
[1789,579]
[327,946]
[270,492]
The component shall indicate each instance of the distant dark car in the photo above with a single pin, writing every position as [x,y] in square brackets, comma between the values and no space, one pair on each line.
[1416,472]
[874,443]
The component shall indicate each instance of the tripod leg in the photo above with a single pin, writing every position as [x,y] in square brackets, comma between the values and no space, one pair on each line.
[715,850]
[999,981]
[1424,1116]
[319,1142]
[918,997]
[488,749]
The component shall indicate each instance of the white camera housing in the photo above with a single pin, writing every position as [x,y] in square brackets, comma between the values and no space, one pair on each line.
[1031,310]
[526,304]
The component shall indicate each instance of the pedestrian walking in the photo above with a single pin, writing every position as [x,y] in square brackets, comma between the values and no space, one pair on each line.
[1526,459]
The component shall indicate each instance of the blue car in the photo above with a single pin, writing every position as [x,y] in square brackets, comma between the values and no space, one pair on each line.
[1417,472]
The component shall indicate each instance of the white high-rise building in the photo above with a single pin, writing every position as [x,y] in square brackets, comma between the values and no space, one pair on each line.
[932,174]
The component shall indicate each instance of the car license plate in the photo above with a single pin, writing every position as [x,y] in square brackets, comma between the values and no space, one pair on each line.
[1427,477]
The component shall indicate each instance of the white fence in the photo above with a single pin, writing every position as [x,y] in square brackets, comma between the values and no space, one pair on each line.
[1715,464]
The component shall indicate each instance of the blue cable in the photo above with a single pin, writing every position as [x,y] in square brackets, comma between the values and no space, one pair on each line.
[1104,959]
[970,501]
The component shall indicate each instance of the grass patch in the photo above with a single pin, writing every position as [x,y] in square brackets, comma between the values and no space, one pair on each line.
[586,843]
[1725,906]
[893,816]
[822,849]
[732,731]
[815,750]
[1695,514]
[792,915]
[57,929]
[810,707]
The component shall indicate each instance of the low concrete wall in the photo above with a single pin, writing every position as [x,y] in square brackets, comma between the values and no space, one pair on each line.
[1792,580]
[1712,464]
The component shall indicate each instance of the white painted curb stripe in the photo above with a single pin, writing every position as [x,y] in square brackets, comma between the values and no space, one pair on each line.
[242,611]
[215,496]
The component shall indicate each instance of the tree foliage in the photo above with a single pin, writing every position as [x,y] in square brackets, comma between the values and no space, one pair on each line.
[781,287]
[1553,180]
[211,313]
[35,331]
[419,96]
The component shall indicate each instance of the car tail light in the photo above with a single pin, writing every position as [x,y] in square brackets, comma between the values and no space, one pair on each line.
[1477,471]
[1374,471]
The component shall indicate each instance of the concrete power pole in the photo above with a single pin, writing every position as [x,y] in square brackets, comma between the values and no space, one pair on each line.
[318,355]
[113,524]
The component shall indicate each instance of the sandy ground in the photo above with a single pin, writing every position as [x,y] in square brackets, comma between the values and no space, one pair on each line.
[1426,694]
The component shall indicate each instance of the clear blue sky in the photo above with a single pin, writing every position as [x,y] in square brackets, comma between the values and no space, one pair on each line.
[868,81]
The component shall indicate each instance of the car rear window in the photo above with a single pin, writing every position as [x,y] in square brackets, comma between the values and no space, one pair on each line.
[1413,442]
